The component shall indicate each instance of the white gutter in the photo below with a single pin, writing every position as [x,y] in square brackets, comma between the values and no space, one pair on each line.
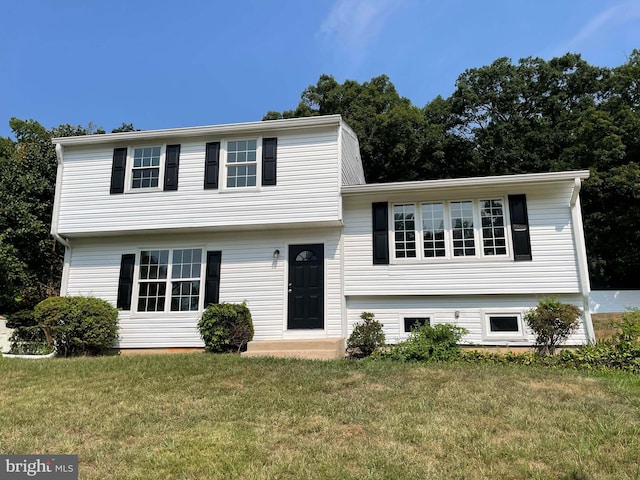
[56,199]
[526,178]
[581,254]
[233,128]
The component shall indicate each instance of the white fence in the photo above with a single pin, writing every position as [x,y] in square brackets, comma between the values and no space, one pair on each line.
[608,301]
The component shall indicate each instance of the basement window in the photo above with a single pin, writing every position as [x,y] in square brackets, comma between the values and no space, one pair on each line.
[411,323]
[505,326]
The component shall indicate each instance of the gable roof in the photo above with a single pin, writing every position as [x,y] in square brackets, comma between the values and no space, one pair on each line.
[232,128]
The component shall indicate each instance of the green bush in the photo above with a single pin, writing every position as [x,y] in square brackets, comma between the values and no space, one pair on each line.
[628,326]
[21,318]
[552,322]
[78,325]
[27,337]
[366,338]
[226,327]
[438,343]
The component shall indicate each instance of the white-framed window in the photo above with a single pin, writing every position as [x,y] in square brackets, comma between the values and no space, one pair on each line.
[146,164]
[455,229]
[241,163]
[503,325]
[433,230]
[411,322]
[494,235]
[169,280]
[185,279]
[404,225]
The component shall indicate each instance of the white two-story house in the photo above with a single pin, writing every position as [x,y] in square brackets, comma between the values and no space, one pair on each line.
[162,223]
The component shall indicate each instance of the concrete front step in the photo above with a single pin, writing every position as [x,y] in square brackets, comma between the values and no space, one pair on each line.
[321,349]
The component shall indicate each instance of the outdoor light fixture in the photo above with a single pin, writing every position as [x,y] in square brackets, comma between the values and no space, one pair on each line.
[457,314]
[276,253]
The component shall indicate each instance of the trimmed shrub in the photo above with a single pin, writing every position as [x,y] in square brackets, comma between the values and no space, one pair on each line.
[552,322]
[366,338]
[78,325]
[21,318]
[438,343]
[226,327]
[27,337]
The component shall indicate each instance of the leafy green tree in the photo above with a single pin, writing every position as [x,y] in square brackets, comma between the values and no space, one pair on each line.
[30,259]
[388,126]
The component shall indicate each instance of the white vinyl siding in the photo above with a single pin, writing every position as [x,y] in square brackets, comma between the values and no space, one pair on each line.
[248,272]
[553,269]
[471,314]
[352,172]
[307,190]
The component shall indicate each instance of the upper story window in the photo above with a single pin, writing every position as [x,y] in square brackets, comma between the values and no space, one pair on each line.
[455,229]
[242,163]
[145,170]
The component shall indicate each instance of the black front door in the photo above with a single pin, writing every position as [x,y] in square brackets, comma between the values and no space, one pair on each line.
[306,286]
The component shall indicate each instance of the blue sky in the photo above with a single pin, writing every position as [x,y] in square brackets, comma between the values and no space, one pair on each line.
[164,64]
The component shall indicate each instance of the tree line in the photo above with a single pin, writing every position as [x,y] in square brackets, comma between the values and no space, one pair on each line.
[531,116]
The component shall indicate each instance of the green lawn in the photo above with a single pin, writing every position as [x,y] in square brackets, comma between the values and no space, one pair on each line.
[213,416]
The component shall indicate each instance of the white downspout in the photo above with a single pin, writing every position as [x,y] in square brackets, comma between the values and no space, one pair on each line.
[56,199]
[581,253]
[54,221]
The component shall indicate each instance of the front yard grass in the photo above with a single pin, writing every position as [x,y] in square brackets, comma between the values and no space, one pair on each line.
[202,416]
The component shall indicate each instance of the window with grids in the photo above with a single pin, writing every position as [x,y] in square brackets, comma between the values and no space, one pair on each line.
[433,242]
[145,172]
[177,291]
[152,288]
[185,279]
[404,230]
[242,164]
[462,230]
[494,240]
[452,229]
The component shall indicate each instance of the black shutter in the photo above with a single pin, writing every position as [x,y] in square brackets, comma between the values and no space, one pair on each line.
[212,281]
[118,169]
[269,157]
[211,161]
[171,165]
[520,227]
[380,219]
[125,282]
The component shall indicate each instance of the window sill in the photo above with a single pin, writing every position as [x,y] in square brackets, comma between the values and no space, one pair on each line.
[144,190]
[238,189]
[451,260]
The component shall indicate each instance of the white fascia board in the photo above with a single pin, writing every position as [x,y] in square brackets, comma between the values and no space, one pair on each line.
[502,180]
[230,128]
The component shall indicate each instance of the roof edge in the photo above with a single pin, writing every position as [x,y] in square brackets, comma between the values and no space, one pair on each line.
[464,182]
[265,126]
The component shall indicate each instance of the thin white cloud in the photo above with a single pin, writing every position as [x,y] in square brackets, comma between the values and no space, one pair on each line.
[351,25]
[603,26]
